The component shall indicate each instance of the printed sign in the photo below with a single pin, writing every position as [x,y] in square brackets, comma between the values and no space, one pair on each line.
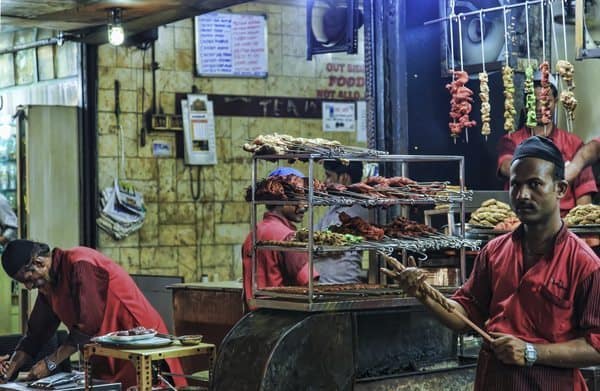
[231,45]
[338,117]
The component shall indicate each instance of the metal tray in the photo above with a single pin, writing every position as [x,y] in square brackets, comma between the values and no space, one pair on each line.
[154,342]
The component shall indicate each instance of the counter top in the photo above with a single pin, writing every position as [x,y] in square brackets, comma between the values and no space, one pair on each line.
[209,286]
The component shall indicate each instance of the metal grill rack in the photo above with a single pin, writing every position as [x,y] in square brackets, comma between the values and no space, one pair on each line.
[316,297]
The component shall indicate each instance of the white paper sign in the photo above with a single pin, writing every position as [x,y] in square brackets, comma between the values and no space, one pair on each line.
[231,45]
[338,117]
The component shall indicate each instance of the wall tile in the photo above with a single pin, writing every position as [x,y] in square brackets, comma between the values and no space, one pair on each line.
[188,263]
[230,233]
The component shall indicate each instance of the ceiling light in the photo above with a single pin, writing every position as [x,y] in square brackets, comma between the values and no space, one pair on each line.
[116,34]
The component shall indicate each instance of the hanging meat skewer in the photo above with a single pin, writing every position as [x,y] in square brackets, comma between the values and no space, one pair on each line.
[509,98]
[484,89]
[509,86]
[567,97]
[460,104]
[484,95]
[530,119]
[565,72]
[545,94]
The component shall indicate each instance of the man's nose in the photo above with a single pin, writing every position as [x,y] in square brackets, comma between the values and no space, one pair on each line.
[523,193]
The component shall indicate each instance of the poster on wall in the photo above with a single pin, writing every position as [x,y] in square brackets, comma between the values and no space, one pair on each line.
[233,45]
[339,117]
[198,130]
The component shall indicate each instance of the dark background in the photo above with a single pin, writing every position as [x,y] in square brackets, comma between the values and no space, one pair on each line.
[429,107]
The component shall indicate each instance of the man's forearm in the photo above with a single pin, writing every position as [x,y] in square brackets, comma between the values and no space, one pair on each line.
[17,360]
[63,352]
[447,318]
[576,353]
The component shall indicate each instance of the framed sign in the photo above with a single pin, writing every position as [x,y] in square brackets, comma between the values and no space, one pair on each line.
[231,45]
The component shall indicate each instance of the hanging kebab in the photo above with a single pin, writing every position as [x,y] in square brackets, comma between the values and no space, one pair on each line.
[509,86]
[484,89]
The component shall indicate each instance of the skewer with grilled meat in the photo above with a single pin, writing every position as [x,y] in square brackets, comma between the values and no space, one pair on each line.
[357,226]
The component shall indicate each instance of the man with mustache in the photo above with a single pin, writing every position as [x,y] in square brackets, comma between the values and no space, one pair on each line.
[276,268]
[583,185]
[536,290]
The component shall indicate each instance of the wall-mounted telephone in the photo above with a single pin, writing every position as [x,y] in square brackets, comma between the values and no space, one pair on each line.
[198,130]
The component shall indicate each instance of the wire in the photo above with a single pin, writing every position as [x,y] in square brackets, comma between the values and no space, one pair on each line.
[527,31]
[481,40]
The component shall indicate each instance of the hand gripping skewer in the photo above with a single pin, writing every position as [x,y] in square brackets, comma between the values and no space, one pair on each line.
[438,297]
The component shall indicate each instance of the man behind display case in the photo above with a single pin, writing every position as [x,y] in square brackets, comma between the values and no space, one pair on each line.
[276,268]
[346,267]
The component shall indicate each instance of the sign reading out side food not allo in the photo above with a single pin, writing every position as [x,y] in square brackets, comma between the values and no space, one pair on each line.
[231,45]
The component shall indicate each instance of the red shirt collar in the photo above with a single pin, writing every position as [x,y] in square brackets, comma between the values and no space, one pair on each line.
[272,215]
[560,237]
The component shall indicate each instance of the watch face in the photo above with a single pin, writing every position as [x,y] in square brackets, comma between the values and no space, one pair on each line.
[51,365]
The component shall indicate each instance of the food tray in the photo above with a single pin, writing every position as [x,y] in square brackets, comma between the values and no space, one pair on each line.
[153,342]
[585,229]
[127,338]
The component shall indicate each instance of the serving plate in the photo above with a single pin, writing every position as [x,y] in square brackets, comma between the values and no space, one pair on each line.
[153,342]
[127,338]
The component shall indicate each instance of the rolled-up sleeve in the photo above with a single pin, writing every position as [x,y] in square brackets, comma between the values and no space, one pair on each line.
[587,308]
[585,183]
[475,295]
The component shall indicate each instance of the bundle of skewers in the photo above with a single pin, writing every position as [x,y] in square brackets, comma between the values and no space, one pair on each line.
[283,144]
[424,290]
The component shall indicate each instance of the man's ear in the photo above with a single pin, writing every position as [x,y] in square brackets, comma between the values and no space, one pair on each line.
[561,188]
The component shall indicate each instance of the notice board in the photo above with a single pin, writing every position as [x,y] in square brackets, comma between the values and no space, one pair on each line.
[230,44]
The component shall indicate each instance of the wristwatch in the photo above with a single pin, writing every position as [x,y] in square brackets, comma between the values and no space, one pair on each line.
[530,354]
[51,365]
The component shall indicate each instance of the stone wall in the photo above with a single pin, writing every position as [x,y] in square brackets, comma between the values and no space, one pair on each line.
[182,236]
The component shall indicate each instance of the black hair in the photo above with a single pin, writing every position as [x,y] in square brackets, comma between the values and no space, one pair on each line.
[353,168]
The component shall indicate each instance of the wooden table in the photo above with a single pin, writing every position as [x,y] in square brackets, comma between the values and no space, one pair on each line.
[142,358]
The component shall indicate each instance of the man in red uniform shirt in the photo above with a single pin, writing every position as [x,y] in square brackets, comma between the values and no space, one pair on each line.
[586,155]
[276,268]
[583,186]
[86,291]
[535,290]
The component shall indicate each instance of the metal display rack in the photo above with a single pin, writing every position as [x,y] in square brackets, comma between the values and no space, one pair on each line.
[369,296]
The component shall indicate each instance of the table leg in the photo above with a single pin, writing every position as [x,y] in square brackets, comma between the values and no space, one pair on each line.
[143,367]
[87,365]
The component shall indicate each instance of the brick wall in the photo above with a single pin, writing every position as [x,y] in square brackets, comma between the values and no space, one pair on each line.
[182,236]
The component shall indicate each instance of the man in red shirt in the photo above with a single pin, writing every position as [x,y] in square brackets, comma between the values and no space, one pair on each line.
[586,155]
[583,186]
[276,268]
[86,291]
[535,290]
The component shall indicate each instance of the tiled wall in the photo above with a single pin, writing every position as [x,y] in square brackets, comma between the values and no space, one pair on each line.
[182,236]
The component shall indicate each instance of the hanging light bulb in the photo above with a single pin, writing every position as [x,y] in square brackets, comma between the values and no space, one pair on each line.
[116,34]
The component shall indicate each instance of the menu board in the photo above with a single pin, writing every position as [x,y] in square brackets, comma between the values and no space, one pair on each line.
[231,45]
